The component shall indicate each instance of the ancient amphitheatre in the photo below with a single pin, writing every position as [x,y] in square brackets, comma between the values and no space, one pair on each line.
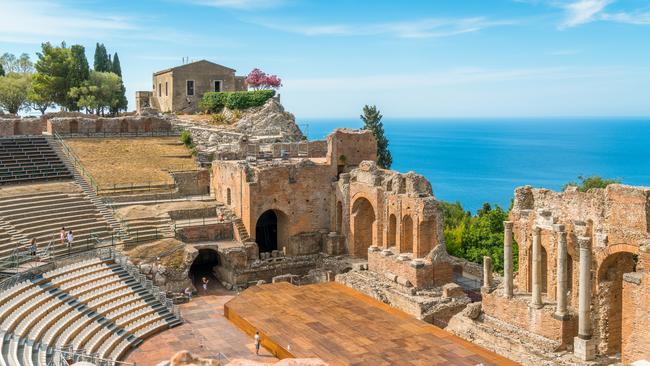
[332,259]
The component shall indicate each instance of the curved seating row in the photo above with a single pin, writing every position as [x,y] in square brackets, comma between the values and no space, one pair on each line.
[93,306]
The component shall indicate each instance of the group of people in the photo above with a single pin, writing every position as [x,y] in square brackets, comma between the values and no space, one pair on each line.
[204,283]
[67,238]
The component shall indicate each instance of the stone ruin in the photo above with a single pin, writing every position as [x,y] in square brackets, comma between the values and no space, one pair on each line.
[581,293]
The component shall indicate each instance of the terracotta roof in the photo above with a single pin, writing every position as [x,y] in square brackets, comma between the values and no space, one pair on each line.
[188,64]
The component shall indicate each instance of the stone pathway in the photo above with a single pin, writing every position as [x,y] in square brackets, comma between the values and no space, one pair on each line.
[204,333]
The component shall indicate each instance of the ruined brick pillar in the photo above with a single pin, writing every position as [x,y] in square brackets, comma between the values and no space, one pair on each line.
[507,259]
[560,310]
[584,346]
[536,299]
[487,272]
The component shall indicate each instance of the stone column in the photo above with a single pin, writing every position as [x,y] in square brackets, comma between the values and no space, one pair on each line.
[536,300]
[560,310]
[584,346]
[507,259]
[487,272]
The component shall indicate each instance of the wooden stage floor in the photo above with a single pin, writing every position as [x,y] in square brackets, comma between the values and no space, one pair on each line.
[344,327]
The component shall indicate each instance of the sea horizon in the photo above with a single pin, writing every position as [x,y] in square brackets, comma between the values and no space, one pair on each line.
[476,160]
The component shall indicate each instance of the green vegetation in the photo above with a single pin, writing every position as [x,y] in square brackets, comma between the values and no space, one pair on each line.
[472,237]
[372,121]
[14,91]
[593,181]
[186,139]
[214,102]
[61,76]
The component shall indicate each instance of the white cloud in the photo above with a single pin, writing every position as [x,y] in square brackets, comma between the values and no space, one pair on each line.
[636,18]
[37,21]
[239,4]
[423,28]
[583,11]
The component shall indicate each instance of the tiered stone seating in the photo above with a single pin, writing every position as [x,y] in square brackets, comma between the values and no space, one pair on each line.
[29,159]
[41,216]
[94,306]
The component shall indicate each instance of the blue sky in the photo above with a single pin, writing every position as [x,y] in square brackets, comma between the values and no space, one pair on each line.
[443,58]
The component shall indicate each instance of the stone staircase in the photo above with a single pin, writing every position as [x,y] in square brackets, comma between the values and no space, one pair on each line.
[120,233]
[41,216]
[146,229]
[240,230]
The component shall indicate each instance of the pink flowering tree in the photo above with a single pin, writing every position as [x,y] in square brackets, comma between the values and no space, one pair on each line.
[259,80]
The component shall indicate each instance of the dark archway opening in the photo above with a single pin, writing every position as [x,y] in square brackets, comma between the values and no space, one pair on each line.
[203,266]
[266,232]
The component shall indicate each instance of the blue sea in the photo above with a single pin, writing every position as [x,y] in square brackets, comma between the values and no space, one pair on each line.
[483,160]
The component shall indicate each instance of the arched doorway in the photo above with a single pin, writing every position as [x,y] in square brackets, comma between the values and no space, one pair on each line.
[203,266]
[407,235]
[392,230]
[610,299]
[363,222]
[228,196]
[74,126]
[269,230]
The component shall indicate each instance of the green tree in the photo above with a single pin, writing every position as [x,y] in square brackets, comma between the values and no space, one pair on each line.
[78,73]
[101,61]
[25,64]
[116,67]
[593,181]
[2,70]
[38,102]
[9,62]
[371,118]
[100,93]
[51,80]
[14,89]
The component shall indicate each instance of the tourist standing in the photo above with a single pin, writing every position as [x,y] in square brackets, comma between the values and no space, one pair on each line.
[62,235]
[205,284]
[32,247]
[70,239]
[257,343]
[188,293]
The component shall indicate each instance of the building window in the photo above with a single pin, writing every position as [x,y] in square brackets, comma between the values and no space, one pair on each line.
[217,85]
[190,88]
[159,89]
[166,89]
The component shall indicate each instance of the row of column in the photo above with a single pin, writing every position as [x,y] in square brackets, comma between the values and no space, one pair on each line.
[584,284]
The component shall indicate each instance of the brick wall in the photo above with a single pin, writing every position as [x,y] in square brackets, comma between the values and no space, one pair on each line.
[211,232]
[517,311]
[20,126]
[636,318]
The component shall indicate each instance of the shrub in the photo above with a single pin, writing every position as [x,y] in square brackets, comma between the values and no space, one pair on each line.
[214,102]
[186,139]
[218,119]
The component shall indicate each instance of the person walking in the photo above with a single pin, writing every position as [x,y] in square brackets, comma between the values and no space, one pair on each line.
[188,293]
[257,343]
[32,247]
[205,281]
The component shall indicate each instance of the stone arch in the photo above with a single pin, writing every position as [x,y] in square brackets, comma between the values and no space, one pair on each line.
[271,230]
[609,278]
[363,227]
[228,197]
[406,237]
[392,231]
[203,265]
[148,125]
[124,126]
[544,264]
[339,217]
[427,238]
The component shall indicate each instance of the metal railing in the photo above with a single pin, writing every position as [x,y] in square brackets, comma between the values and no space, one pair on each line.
[77,162]
[66,356]
[104,134]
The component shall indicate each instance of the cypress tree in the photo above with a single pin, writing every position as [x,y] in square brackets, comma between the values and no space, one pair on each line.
[117,68]
[372,121]
[2,70]
[101,59]
[109,63]
[79,71]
